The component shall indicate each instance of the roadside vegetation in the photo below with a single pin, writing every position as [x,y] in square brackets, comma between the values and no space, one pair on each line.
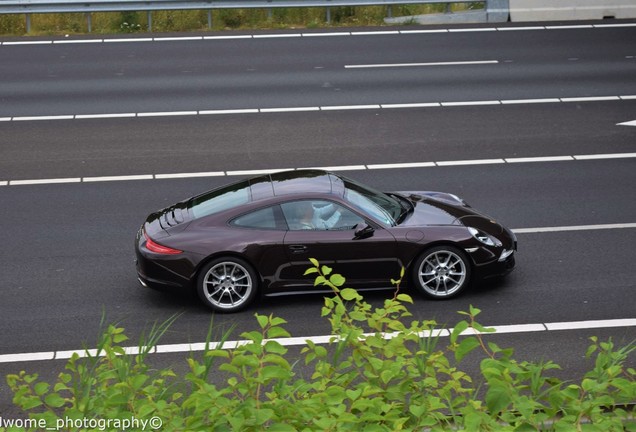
[224,19]
[380,373]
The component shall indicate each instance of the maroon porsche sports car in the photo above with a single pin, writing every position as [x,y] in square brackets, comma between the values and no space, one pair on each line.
[257,235]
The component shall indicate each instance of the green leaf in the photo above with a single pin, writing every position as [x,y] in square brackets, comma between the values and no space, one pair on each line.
[459,328]
[54,400]
[349,294]
[405,298]
[497,398]
[262,320]
[337,280]
[41,388]
[465,347]
[320,280]
[277,332]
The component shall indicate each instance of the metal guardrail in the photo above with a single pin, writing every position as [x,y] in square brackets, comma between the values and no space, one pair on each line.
[87,7]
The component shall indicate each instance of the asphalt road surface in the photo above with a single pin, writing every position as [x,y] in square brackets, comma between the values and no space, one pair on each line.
[530,125]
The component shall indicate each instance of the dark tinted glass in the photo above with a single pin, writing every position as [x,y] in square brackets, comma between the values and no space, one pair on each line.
[221,199]
[261,219]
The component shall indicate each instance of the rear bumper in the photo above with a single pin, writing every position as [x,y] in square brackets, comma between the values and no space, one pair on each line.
[160,271]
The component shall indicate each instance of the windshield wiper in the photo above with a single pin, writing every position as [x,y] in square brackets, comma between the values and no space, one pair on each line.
[406,205]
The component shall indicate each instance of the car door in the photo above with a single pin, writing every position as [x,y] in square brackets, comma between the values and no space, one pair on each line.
[365,261]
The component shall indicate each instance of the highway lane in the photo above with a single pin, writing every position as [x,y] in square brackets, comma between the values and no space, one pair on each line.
[110,147]
[68,258]
[149,76]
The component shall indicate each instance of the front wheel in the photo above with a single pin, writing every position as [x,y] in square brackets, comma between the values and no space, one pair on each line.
[442,272]
[227,284]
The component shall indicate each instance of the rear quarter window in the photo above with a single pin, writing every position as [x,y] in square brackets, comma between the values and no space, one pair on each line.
[260,219]
[220,200]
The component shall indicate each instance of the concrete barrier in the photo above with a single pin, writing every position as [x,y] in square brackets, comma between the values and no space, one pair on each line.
[495,11]
[565,10]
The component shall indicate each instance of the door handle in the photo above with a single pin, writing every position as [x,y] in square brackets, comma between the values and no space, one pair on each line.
[298,249]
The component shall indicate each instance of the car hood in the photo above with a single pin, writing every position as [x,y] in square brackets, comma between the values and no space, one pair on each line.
[438,208]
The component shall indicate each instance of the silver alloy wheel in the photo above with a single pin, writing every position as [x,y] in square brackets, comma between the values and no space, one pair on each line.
[227,285]
[442,273]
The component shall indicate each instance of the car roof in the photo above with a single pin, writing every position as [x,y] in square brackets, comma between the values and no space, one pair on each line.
[306,181]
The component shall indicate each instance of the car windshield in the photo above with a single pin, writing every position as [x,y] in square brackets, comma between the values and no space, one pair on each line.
[377,204]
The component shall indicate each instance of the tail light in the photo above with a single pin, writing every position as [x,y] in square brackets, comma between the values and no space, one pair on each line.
[155,247]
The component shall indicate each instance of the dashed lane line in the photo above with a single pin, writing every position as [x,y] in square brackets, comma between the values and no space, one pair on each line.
[405,165]
[274,110]
[296,341]
[312,34]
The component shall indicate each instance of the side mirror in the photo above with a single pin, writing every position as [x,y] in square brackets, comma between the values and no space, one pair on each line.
[362,231]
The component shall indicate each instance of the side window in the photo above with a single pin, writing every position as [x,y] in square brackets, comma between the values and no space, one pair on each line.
[262,219]
[318,215]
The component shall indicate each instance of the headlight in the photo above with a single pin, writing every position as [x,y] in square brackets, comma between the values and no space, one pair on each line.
[483,237]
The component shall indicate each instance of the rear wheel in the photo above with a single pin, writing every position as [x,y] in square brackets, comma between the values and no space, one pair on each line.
[227,284]
[442,272]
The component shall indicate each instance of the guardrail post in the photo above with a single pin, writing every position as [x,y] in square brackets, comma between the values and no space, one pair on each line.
[28,23]
[149,15]
[328,15]
[210,18]
[389,11]
[89,22]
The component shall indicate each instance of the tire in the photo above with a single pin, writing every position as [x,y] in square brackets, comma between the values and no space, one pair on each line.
[442,272]
[227,284]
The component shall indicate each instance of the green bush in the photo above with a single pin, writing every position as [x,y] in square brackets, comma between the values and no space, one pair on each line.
[223,19]
[377,373]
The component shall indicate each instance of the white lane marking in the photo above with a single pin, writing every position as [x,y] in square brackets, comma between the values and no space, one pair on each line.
[470,103]
[226,37]
[578,325]
[590,99]
[445,104]
[629,123]
[605,156]
[37,118]
[404,165]
[78,41]
[277,35]
[530,101]
[401,65]
[573,228]
[46,181]
[189,175]
[117,178]
[411,105]
[349,107]
[471,162]
[167,113]
[292,109]
[177,38]
[104,116]
[326,34]
[325,339]
[128,40]
[229,111]
[310,35]
[540,159]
